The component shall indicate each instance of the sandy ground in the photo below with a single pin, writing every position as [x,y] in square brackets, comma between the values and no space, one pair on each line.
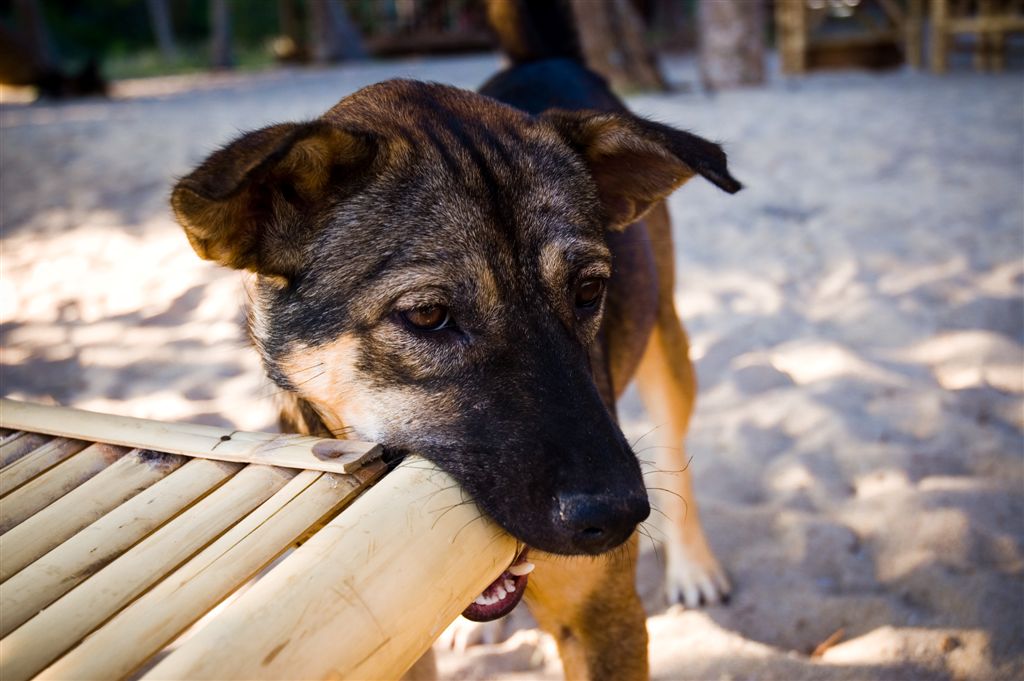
[857,319]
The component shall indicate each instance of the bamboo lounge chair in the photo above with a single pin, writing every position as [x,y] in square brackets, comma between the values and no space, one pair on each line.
[120,534]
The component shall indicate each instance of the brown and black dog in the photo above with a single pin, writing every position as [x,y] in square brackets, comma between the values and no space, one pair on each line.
[476,278]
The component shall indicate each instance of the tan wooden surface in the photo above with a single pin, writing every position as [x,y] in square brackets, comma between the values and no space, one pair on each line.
[42,639]
[293,451]
[365,597]
[82,506]
[38,461]
[18,444]
[45,580]
[112,554]
[142,629]
[55,483]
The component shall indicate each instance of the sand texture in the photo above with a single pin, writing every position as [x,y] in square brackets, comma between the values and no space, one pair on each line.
[857,317]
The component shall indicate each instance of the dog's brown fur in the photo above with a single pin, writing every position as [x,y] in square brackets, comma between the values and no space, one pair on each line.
[407,197]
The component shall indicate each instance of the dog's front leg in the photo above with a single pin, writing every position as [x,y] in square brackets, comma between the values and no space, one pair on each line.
[591,607]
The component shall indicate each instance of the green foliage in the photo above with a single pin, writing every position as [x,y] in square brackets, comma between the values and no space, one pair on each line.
[120,34]
[149,62]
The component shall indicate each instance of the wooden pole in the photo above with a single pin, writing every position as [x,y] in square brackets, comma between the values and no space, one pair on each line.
[37,461]
[55,483]
[940,36]
[60,570]
[81,506]
[206,442]
[365,597]
[19,444]
[42,639]
[148,624]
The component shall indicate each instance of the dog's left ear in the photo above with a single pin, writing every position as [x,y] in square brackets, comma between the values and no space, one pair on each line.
[635,162]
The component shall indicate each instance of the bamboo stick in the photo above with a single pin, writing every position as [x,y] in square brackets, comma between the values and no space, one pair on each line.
[82,506]
[55,483]
[293,451]
[365,597]
[19,444]
[60,626]
[37,461]
[53,575]
[142,629]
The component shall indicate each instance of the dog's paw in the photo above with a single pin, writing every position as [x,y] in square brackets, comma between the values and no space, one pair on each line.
[462,633]
[693,576]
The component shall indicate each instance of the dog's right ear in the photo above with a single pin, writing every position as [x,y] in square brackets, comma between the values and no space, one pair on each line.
[254,203]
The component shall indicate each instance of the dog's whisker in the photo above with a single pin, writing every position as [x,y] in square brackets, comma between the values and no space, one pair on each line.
[480,516]
[653,527]
[309,368]
[669,492]
[642,529]
[663,447]
[311,378]
[635,442]
[663,514]
[446,511]
[665,471]
[438,490]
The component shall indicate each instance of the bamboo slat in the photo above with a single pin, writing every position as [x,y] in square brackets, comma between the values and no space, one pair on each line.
[294,451]
[343,604]
[142,629]
[18,444]
[45,580]
[82,506]
[46,636]
[55,483]
[38,460]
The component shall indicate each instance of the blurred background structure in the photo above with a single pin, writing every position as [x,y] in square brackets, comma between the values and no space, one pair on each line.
[856,312]
[67,48]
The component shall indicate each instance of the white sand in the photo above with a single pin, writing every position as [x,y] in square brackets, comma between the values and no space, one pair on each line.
[857,318]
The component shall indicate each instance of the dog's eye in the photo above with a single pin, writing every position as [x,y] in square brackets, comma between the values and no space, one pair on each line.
[429,318]
[588,292]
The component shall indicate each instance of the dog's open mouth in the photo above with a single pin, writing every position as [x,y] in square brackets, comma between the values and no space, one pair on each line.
[504,593]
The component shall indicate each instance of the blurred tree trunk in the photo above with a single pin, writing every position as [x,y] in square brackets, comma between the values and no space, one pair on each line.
[160,19]
[673,25]
[295,47]
[35,35]
[333,36]
[614,43]
[28,57]
[220,35]
[731,39]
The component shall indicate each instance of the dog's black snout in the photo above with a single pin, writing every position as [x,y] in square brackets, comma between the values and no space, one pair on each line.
[597,523]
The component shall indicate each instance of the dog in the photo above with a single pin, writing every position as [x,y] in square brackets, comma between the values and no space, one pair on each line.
[476,277]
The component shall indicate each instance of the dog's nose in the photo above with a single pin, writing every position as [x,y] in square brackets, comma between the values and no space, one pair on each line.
[597,523]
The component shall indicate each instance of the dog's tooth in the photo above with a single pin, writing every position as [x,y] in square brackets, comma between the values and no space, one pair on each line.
[510,586]
[520,569]
[485,600]
[501,593]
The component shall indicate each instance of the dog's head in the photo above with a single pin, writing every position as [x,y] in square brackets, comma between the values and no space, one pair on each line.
[431,267]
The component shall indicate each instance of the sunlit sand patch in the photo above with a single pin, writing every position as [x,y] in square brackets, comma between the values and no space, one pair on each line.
[969,359]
